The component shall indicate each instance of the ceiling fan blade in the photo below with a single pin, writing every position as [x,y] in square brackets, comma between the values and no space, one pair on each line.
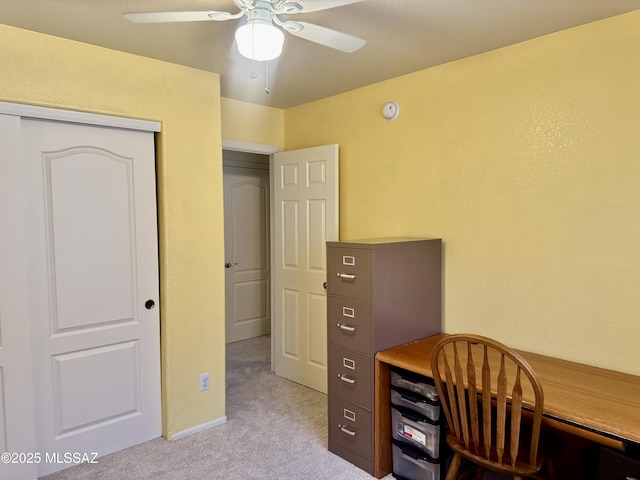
[324,36]
[193,16]
[314,5]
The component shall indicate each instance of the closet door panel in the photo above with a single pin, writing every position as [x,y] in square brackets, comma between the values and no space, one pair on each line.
[93,278]
[16,388]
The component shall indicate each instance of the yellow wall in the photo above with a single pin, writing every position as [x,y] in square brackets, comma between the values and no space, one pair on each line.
[251,123]
[526,162]
[48,71]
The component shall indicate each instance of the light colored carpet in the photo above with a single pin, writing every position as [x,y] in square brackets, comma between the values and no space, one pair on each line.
[275,429]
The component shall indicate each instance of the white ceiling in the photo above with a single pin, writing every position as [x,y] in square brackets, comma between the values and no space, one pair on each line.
[402,36]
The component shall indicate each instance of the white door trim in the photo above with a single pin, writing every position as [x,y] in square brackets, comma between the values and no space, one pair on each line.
[248,147]
[46,113]
[240,146]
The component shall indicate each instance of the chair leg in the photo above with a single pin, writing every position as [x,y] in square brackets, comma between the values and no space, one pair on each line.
[551,470]
[467,474]
[454,467]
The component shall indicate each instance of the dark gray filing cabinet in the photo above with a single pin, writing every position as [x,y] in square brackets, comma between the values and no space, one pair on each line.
[381,293]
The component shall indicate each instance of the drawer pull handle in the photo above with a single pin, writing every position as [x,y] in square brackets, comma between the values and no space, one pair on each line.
[346,328]
[630,478]
[344,429]
[347,276]
[344,378]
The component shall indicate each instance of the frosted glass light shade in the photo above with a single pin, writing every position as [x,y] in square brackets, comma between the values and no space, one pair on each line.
[259,40]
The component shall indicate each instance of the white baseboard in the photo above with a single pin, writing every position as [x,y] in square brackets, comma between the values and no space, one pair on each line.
[199,428]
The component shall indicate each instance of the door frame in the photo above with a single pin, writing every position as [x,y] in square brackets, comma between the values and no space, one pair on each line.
[244,176]
[262,149]
[71,116]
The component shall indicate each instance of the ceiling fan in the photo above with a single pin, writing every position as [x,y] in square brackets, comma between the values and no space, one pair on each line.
[260,38]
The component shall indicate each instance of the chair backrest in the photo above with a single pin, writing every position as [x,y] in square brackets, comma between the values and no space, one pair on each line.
[478,377]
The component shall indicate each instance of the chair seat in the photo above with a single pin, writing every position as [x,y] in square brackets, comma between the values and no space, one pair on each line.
[520,468]
[550,446]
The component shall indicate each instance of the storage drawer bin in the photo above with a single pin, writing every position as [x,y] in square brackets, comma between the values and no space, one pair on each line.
[423,405]
[415,383]
[409,463]
[617,466]
[417,430]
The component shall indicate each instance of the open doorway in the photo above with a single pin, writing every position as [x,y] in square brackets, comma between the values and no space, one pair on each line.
[303,216]
[247,249]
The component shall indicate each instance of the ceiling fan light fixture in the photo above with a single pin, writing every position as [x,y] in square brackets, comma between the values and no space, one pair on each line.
[259,40]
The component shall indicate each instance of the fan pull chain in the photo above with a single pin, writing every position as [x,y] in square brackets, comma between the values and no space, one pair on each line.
[253,75]
[266,90]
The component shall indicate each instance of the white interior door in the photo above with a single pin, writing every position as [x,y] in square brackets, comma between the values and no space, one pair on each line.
[17,430]
[246,238]
[93,278]
[305,194]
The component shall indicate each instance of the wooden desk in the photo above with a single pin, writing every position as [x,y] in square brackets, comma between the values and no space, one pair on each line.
[593,403]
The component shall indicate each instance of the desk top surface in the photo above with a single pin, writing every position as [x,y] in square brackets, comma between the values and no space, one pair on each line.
[595,399]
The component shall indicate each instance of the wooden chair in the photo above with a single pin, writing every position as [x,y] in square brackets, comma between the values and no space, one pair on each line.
[486,390]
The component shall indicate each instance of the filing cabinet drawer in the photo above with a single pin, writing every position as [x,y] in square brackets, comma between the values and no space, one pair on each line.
[349,272]
[350,376]
[350,324]
[350,427]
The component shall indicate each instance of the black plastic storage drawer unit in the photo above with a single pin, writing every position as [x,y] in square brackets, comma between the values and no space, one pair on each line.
[418,450]
[413,464]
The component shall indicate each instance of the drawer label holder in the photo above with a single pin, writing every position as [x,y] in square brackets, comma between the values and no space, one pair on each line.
[349,312]
[348,363]
[349,415]
[348,260]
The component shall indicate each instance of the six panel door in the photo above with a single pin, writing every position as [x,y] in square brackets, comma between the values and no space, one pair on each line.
[305,192]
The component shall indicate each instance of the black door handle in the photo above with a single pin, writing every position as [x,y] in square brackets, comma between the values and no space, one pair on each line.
[149,304]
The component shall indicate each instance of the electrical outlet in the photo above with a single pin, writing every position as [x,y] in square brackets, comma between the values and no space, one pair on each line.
[204,381]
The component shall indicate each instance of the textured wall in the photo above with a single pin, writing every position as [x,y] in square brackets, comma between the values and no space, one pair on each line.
[526,161]
[48,71]
[251,123]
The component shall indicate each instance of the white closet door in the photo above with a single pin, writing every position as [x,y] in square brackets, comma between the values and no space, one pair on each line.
[16,388]
[93,276]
